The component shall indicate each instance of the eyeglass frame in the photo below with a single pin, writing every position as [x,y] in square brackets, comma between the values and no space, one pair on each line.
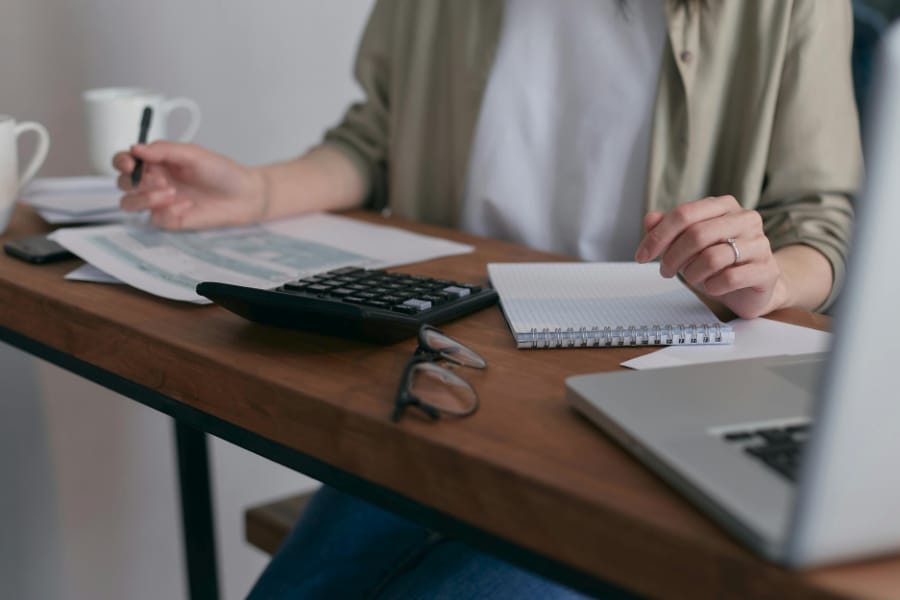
[425,353]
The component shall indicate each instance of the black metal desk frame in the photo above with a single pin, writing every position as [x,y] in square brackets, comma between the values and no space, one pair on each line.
[191,429]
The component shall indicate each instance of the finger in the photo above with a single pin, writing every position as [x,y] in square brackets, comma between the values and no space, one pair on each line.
[758,276]
[744,224]
[124,182]
[170,217]
[162,151]
[719,257]
[134,201]
[200,215]
[123,162]
[144,200]
[150,181]
[652,219]
[204,216]
[676,221]
[154,178]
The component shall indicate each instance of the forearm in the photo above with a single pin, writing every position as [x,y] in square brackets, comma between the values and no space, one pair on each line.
[322,180]
[806,278]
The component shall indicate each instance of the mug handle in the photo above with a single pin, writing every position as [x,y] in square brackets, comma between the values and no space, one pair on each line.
[40,153]
[192,107]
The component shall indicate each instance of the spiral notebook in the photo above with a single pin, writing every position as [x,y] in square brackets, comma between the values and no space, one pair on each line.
[550,305]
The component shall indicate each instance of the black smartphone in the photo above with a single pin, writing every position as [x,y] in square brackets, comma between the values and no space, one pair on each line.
[37,249]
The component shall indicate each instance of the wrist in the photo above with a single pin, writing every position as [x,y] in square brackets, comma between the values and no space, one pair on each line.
[260,195]
[781,295]
[804,280]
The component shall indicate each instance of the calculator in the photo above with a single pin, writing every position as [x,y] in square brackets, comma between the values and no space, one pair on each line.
[365,304]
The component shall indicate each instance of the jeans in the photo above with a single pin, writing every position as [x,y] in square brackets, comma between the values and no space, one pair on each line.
[346,548]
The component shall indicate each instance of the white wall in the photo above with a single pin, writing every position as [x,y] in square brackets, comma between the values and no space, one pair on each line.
[88,502]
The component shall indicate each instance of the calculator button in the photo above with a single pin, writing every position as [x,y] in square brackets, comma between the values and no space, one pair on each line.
[295,286]
[457,291]
[435,299]
[341,292]
[418,304]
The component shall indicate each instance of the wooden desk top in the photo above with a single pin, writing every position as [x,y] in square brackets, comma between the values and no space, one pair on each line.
[526,467]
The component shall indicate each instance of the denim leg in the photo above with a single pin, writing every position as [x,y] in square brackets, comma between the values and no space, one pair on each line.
[451,570]
[346,548]
[342,547]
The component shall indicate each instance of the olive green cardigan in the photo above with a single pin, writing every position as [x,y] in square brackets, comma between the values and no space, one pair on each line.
[755,100]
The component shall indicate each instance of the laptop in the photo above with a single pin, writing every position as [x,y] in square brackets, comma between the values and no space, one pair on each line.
[795,456]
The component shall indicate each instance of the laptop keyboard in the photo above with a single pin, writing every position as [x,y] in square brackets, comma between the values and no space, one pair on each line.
[779,448]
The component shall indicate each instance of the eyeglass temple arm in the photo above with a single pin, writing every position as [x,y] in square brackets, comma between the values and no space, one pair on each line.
[402,403]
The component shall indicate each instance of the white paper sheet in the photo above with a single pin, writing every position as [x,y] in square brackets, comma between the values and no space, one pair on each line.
[752,338]
[171,264]
[74,196]
[53,185]
[57,218]
[91,274]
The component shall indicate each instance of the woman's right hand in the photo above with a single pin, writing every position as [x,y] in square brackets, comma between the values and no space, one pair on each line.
[185,186]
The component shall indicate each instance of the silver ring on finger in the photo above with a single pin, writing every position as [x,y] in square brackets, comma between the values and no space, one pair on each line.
[734,248]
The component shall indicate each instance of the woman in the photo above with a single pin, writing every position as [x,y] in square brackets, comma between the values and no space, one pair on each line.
[730,126]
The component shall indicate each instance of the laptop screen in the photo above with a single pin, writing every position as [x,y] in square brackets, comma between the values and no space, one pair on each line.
[849,494]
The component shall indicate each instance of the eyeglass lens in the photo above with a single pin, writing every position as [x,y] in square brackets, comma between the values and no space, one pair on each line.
[442,389]
[451,349]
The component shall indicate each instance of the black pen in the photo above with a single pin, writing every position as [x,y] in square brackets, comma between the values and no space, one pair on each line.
[146,116]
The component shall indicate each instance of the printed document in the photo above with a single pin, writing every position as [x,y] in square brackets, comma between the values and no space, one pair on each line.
[170,264]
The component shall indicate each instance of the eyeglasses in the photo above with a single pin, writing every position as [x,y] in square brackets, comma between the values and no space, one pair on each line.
[433,389]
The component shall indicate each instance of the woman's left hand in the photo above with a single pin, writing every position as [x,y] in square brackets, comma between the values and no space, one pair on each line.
[693,239]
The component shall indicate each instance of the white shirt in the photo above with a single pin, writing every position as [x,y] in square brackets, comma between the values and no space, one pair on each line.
[560,151]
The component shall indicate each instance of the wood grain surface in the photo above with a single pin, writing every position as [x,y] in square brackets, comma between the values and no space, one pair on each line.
[526,467]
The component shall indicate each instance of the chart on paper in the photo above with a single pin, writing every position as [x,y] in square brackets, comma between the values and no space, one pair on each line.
[171,264]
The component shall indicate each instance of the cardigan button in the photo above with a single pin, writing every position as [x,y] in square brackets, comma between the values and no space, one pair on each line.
[686,56]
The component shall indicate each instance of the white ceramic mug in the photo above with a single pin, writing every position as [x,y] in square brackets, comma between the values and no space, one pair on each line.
[113,118]
[11,179]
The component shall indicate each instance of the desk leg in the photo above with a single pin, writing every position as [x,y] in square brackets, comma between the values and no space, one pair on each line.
[196,512]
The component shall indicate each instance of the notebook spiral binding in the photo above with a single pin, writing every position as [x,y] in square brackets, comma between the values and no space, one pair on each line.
[655,335]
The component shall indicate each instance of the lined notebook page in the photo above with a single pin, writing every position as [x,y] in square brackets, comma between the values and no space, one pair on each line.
[563,296]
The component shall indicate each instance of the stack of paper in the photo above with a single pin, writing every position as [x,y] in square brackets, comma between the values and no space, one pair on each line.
[171,263]
[69,200]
